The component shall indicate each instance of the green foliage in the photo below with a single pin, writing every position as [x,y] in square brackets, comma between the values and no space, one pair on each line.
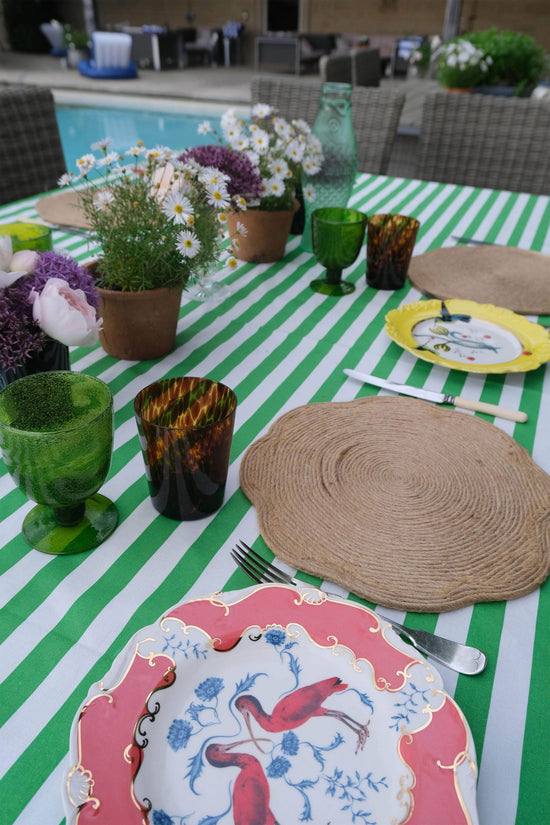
[140,234]
[492,58]
[517,59]
[75,38]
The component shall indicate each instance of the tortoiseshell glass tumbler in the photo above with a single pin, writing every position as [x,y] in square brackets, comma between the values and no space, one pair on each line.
[185,427]
[390,245]
[56,435]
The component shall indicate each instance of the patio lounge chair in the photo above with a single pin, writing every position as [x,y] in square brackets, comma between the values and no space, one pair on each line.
[31,153]
[111,56]
[375,113]
[485,140]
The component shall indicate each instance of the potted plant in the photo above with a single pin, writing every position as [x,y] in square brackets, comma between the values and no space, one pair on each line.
[47,303]
[78,45]
[517,61]
[157,223]
[461,65]
[263,161]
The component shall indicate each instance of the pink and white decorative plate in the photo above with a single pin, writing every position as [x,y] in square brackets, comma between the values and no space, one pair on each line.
[270,705]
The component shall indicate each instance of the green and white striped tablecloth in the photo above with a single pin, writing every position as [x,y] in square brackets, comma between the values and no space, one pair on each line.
[278,345]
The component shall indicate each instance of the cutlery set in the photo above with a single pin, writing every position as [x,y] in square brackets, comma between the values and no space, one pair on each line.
[454,655]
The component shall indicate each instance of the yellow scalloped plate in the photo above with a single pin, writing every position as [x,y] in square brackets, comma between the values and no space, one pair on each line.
[465,335]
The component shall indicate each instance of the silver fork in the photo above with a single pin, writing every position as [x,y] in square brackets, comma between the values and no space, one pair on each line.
[453,655]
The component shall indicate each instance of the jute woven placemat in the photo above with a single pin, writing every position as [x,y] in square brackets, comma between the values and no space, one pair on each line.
[505,276]
[63,209]
[401,502]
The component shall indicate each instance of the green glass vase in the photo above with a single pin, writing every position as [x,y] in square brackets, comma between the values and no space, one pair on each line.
[333,126]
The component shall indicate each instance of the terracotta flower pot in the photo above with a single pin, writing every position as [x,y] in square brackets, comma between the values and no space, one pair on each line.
[138,326]
[266,233]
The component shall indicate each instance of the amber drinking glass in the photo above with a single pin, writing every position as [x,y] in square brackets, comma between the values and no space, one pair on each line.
[56,436]
[337,234]
[185,427]
[390,245]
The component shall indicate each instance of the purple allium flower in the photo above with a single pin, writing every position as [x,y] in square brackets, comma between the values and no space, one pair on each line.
[244,178]
[54,265]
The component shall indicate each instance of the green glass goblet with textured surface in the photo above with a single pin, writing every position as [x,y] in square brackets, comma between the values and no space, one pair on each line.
[56,437]
[338,235]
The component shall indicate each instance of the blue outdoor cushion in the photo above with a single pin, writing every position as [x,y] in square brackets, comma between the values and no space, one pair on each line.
[89,69]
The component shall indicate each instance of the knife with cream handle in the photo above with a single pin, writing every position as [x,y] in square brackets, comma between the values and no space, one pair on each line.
[440,397]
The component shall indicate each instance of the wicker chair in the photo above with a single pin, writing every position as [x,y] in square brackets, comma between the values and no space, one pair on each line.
[485,140]
[336,68]
[375,113]
[31,154]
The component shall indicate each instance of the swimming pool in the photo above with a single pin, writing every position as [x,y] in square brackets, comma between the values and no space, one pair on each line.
[82,125]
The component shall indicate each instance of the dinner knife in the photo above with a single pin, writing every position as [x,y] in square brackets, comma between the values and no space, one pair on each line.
[440,397]
[474,241]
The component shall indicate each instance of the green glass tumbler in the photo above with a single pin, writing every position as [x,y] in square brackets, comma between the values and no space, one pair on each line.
[185,427]
[338,235]
[56,437]
[28,236]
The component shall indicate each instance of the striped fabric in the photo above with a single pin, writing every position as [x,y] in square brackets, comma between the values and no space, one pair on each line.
[278,345]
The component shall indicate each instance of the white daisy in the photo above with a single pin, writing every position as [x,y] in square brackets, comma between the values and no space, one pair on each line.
[65,179]
[262,110]
[260,141]
[211,175]
[177,207]
[188,244]
[232,262]
[311,165]
[275,186]
[309,193]
[102,199]
[102,145]
[241,229]
[86,163]
[136,151]
[217,195]
[108,160]
[278,166]
[204,128]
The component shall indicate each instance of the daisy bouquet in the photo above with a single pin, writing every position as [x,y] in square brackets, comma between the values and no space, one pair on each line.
[157,219]
[276,151]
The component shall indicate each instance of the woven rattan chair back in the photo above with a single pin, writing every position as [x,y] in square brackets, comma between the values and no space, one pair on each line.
[375,113]
[485,140]
[31,153]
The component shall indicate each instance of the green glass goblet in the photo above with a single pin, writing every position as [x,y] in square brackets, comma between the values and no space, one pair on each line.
[337,234]
[56,437]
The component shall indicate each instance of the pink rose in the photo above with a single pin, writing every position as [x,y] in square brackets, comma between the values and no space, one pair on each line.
[64,314]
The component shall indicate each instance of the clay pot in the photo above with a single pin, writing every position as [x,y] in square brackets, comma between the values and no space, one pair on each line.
[266,233]
[138,326]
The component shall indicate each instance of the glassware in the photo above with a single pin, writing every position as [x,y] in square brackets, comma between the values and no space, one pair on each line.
[334,128]
[185,427]
[203,287]
[28,236]
[390,244]
[56,436]
[338,234]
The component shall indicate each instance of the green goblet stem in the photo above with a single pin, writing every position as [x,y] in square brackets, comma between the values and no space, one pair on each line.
[333,276]
[69,516]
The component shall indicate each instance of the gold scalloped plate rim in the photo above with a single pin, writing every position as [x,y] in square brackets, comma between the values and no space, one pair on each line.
[533,337]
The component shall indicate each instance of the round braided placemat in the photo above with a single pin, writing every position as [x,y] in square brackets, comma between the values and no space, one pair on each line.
[401,502]
[518,279]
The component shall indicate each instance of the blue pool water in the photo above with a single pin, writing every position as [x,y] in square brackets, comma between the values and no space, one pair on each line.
[82,126]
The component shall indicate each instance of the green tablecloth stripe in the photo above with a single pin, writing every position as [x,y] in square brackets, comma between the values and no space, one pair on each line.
[484,631]
[542,229]
[50,746]
[535,807]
